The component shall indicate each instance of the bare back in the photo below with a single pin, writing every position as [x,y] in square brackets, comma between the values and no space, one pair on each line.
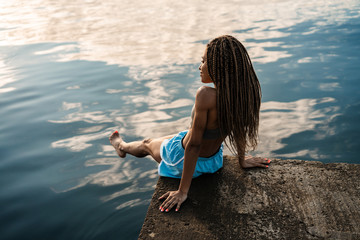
[205,118]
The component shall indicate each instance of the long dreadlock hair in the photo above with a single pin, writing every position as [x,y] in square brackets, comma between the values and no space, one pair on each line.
[238,93]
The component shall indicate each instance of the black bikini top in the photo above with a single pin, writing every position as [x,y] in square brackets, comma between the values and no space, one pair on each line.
[208,133]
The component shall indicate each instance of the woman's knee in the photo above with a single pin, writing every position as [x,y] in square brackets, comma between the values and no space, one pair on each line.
[147,141]
[153,146]
[146,145]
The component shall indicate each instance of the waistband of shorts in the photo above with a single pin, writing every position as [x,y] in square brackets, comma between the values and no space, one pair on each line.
[182,145]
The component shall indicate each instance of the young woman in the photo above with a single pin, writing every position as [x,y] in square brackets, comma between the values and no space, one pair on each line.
[229,110]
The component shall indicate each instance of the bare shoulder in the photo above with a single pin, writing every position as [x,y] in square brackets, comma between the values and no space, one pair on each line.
[206,97]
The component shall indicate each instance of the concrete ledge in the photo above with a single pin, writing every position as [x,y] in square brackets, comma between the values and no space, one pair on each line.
[292,199]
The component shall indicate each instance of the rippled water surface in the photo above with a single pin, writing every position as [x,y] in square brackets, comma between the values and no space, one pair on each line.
[71,72]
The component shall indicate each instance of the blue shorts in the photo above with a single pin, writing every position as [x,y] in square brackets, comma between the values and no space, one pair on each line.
[172,159]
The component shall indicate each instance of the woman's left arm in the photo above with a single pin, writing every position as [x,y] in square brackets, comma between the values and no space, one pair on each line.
[192,150]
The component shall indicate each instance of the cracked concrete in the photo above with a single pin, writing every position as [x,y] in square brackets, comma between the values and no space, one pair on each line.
[292,199]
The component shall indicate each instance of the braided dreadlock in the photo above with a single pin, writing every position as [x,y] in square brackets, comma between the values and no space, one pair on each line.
[238,93]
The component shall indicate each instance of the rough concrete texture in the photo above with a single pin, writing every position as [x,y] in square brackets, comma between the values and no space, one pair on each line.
[292,199]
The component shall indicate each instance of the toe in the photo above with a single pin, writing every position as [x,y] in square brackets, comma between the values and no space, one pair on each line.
[114,135]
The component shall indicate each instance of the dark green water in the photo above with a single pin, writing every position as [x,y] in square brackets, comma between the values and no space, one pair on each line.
[71,73]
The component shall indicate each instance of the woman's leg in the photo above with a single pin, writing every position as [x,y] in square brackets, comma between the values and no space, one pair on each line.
[138,148]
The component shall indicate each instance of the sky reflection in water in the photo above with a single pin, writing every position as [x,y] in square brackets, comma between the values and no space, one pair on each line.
[71,75]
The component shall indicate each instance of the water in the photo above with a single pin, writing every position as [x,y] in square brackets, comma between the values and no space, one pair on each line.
[71,72]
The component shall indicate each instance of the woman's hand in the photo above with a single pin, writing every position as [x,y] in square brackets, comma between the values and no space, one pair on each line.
[250,161]
[172,198]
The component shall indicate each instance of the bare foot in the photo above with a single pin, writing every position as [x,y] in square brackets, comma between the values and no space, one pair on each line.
[116,141]
[251,161]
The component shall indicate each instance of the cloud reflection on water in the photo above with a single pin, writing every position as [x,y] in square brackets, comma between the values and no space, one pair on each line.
[280,120]
[89,117]
[119,172]
[80,142]
[159,33]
